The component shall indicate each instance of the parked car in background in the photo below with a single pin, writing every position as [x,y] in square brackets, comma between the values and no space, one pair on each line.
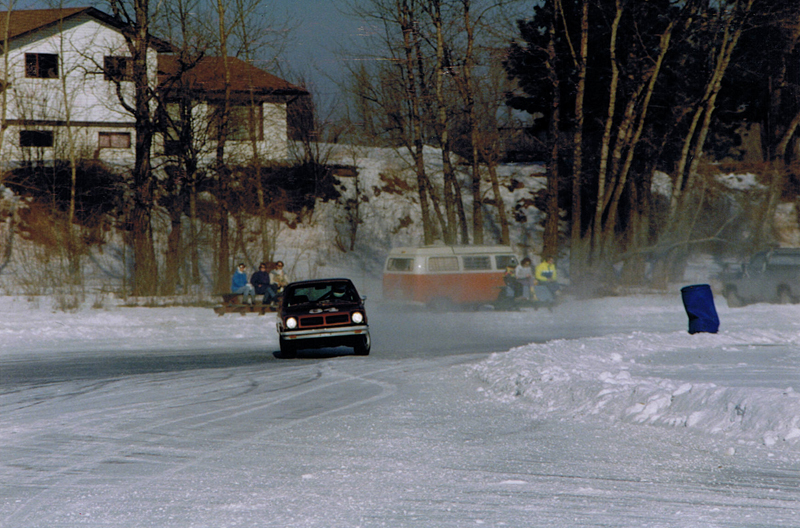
[771,276]
[322,313]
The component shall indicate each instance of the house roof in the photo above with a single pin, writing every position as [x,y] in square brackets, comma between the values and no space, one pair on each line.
[27,21]
[208,77]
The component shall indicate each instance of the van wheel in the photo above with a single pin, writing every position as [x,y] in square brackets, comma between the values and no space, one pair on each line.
[441,305]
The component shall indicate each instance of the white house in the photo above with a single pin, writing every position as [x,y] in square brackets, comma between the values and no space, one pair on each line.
[59,91]
[258,107]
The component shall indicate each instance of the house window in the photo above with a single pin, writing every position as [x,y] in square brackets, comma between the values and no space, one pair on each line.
[171,123]
[119,140]
[117,68]
[244,122]
[41,65]
[36,138]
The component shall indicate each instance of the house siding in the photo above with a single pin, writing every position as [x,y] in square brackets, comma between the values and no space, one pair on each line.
[89,101]
[81,103]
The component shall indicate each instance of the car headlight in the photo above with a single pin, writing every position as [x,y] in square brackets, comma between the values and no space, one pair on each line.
[358,317]
[291,323]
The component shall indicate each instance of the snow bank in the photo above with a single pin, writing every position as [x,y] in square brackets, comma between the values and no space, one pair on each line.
[612,378]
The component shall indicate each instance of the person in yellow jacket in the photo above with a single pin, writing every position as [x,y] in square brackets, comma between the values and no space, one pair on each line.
[546,270]
[546,275]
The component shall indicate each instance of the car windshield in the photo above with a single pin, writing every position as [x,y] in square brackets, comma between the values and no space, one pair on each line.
[322,293]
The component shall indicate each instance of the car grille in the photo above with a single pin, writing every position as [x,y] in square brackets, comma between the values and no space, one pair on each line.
[324,320]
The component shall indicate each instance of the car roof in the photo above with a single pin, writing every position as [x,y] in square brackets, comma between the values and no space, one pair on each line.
[439,250]
[314,282]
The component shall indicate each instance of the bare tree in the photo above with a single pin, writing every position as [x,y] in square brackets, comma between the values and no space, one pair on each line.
[395,82]
[608,129]
[577,247]
[222,170]
[731,19]
[183,137]
[135,21]
[256,36]
[453,204]
[5,81]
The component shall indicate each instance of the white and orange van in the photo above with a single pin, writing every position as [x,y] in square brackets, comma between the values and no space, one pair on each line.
[446,276]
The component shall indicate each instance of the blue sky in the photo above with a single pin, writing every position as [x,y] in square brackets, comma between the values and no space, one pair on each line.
[322,30]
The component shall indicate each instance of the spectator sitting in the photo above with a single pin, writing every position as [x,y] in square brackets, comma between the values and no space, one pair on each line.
[260,279]
[546,274]
[513,288]
[524,275]
[278,276]
[239,284]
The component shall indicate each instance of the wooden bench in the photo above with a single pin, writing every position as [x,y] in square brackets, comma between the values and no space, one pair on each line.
[232,303]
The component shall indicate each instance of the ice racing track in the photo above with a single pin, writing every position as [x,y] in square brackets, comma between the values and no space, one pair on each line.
[404,437]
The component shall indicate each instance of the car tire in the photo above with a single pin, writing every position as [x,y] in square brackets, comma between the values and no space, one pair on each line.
[362,345]
[288,349]
[784,296]
[733,299]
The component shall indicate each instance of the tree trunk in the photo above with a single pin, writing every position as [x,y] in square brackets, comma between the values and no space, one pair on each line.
[451,192]
[223,174]
[699,131]
[469,98]
[577,247]
[173,256]
[145,269]
[552,220]
[606,142]
[407,23]
[4,85]
[778,171]
[628,142]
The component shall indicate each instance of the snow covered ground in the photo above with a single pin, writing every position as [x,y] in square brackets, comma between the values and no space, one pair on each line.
[115,417]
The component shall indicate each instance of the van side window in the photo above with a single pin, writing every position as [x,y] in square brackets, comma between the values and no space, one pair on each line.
[400,264]
[443,264]
[504,261]
[477,263]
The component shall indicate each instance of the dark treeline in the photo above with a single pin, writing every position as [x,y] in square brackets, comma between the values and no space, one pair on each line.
[620,89]
[617,93]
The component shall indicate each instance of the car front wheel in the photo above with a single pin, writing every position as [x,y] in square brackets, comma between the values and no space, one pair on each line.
[362,345]
[288,349]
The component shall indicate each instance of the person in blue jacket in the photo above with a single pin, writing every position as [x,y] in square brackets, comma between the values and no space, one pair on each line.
[240,284]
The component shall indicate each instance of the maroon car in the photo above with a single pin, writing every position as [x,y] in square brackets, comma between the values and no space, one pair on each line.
[322,313]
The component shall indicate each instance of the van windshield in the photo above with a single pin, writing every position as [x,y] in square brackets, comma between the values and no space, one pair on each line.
[400,264]
[505,261]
